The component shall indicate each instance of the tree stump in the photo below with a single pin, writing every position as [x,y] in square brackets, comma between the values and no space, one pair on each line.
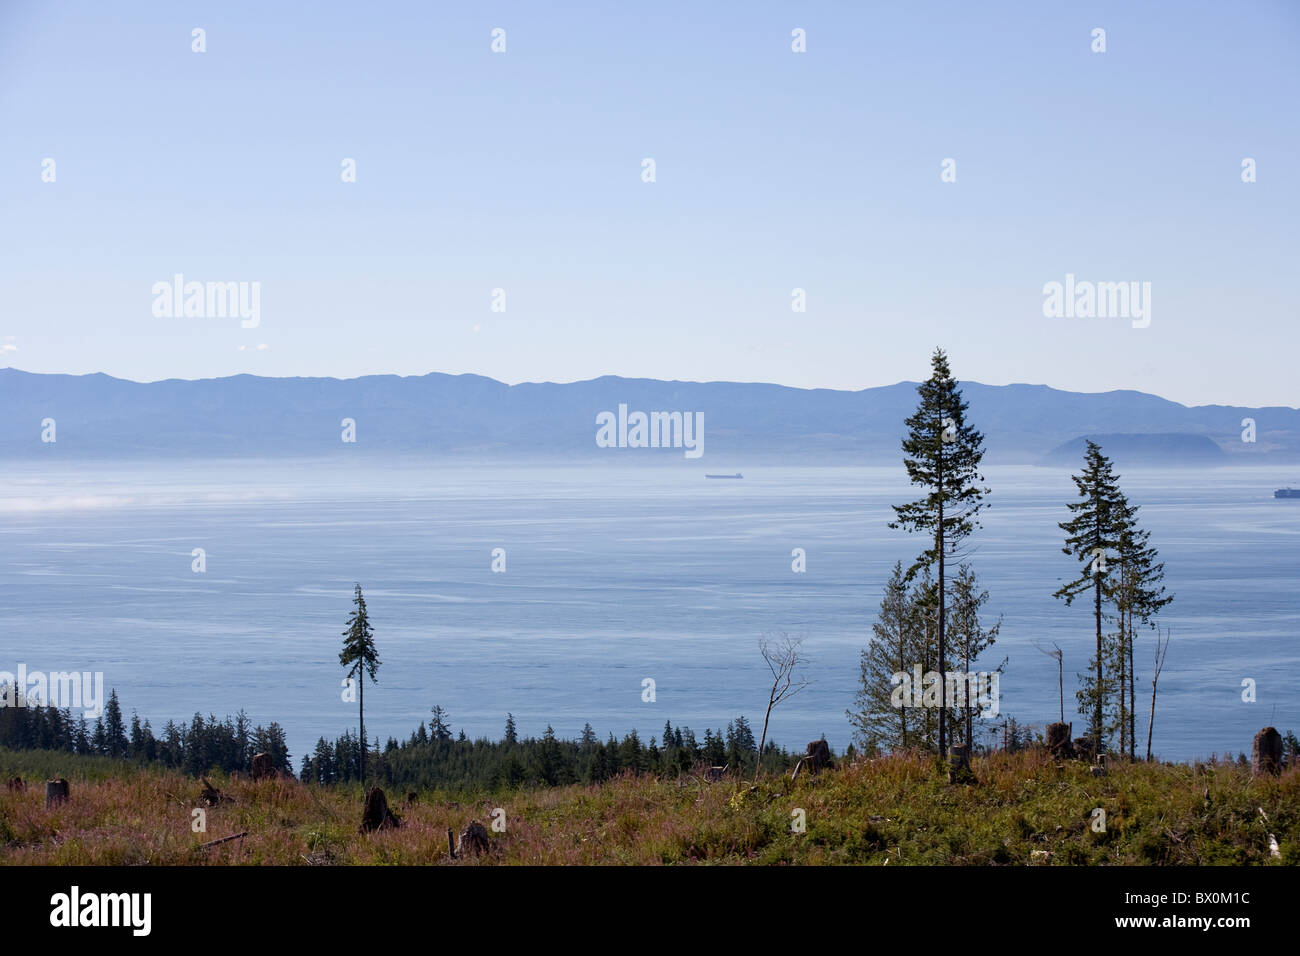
[1266,753]
[473,840]
[16,785]
[1058,741]
[1085,748]
[959,764]
[816,756]
[818,753]
[377,815]
[209,795]
[56,792]
[263,766]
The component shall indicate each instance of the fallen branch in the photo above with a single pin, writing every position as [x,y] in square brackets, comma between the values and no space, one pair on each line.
[236,836]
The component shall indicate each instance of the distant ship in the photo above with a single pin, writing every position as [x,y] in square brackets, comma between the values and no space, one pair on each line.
[1287,493]
[739,475]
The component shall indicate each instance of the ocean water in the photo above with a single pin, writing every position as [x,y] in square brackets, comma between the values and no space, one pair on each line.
[613,575]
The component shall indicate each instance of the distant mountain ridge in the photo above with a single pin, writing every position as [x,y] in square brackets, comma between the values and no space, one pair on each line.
[470,416]
[1160,449]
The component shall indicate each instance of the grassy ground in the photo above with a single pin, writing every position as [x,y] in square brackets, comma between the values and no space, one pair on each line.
[893,810]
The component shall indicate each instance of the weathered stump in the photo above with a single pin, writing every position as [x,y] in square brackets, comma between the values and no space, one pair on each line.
[714,774]
[377,815]
[209,795]
[263,767]
[473,840]
[1085,748]
[959,764]
[816,756]
[1266,753]
[411,798]
[56,792]
[16,785]
[1058,741]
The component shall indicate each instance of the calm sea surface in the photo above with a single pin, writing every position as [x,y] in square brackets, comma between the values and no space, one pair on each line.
[613,575]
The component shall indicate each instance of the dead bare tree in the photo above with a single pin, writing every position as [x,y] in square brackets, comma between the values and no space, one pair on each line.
[782,655]
[1060,672]
[1162,649]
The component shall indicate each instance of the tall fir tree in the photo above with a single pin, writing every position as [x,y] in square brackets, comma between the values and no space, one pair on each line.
[1093,537]
[361,659]
[942,454]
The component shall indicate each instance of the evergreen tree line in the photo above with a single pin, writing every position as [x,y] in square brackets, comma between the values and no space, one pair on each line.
[196,747]
[433,758]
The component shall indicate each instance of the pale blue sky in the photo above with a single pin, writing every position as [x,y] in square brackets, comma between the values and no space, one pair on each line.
[775,170]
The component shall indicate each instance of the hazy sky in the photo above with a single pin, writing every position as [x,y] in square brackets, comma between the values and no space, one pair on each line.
[775,170]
